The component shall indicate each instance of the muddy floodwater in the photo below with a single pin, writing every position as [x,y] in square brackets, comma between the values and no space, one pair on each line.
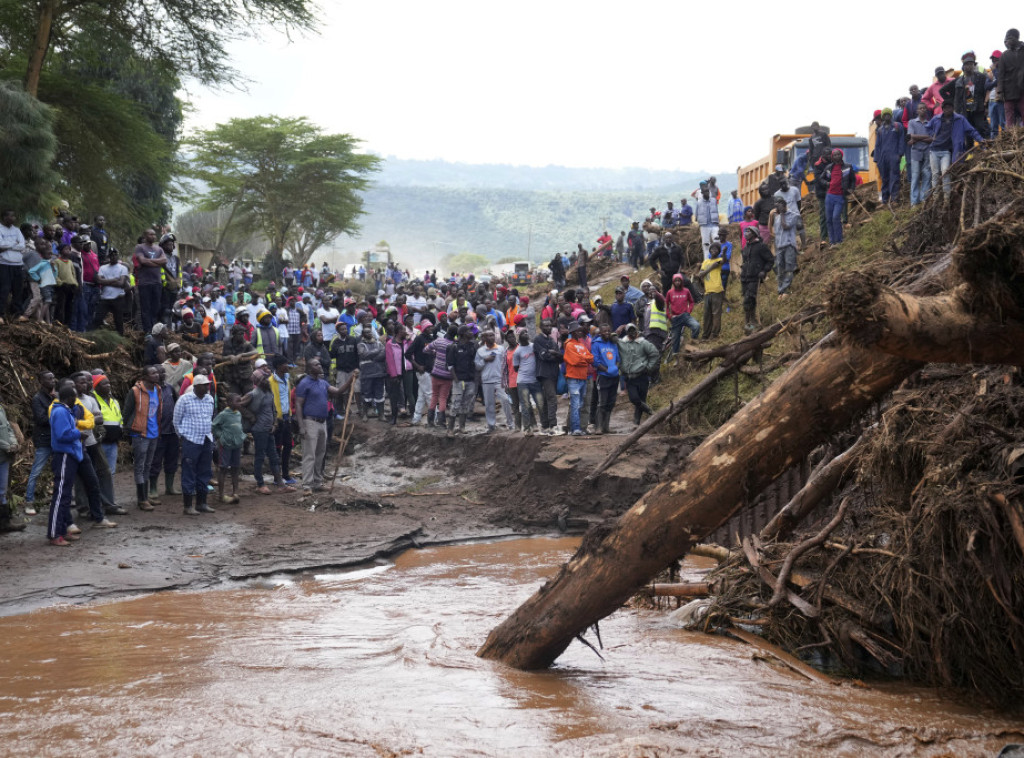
[381,662]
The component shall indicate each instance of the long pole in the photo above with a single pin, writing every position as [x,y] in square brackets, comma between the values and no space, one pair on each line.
[344,428]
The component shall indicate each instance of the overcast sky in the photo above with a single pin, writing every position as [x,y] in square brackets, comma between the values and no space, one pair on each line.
[598,84]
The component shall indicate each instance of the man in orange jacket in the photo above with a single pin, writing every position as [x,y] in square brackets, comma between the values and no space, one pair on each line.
[578,360]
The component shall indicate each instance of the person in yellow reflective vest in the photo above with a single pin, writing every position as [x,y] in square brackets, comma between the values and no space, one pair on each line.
[111,409]
[266,339]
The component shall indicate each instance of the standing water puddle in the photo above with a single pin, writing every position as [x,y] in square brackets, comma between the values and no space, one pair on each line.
[381,662]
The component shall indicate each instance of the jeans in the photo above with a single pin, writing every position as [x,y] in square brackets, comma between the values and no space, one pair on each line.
[527,391]
[463,396]
[42,456]
[577,396]
[196,466]
[314,452]
[607,394]
[939,162]
[549,387]
[681,322]
[10,288]
[491,390]
[149,305]
[80,320]
[5,473]
[110,453]
[834,217]
[996,117]
[265,448]
[920,179]
[143,449]
[708,234]
[785,263]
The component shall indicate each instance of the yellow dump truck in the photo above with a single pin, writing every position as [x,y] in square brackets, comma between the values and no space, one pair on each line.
[787,148]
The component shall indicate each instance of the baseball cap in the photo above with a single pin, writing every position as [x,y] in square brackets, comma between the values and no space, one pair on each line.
[996,55]
[968,56]
[779,167]
[940,69]
[173,346]
[260,363]
[200,379]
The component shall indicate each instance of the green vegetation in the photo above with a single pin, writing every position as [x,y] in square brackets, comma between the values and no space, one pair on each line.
[284,176]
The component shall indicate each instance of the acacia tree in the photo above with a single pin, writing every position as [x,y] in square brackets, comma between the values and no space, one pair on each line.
[190,36]
[27,150]
[298,186]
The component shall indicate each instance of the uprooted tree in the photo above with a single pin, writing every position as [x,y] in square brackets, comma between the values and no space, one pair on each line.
[881,337]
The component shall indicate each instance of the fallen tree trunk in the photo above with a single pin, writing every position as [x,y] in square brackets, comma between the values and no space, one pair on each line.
[818,396]
[735,355]
[941,329]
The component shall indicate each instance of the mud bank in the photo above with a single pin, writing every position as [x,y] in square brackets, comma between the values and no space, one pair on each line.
[398,488]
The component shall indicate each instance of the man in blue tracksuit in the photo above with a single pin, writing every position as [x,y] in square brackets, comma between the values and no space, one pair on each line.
[66,443]
[890,143]
[606,360]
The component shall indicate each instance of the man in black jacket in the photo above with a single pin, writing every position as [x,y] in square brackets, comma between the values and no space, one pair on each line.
[40,435]
[557,271]
[1010,79]
[549,357]
[757,262]
[460,359]
[968,95]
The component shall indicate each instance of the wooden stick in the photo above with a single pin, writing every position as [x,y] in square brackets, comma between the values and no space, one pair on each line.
[803,547]
[782,656]
[242,358]
[719,553]
[344,437]
[681,589]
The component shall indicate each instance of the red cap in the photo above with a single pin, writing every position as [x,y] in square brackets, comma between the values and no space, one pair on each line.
[996,54]
[878,114]
[96,379]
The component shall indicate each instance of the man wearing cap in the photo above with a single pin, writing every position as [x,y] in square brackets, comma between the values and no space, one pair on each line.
[266,338]
[1010,79]
[668,218]
[774,179]
[932,96]
[684,215]
[889,143]
[949,133]
[154,340]
[193,419]
[968,94]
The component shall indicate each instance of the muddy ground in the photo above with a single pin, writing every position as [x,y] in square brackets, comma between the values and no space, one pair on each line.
[399,487]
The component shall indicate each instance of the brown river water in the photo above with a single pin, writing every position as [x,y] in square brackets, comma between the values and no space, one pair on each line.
[381,661]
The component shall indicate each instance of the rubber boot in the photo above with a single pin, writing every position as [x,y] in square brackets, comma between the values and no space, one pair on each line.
[440,419]
[462,423]
[598,422]
[636,416]
[451,426]
[141,498]
[154,494]
[430,418]
[201,505]
[169,485]
[380,412]
[7,522]
[189,509]
[606,423]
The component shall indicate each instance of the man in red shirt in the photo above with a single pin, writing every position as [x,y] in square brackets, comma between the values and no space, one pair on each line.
[680,311]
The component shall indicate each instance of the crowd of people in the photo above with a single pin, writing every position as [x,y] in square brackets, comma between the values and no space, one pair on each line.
[295,359]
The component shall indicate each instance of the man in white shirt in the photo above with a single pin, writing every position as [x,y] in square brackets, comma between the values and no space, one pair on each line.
[328,316]
[416,303]
[12,263]
[113,278]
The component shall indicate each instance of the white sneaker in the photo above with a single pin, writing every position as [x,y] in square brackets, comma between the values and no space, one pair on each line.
[73,529]
[104,524]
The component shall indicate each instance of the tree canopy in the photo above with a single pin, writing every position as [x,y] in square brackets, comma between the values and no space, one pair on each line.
[27,150]
[299,186]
